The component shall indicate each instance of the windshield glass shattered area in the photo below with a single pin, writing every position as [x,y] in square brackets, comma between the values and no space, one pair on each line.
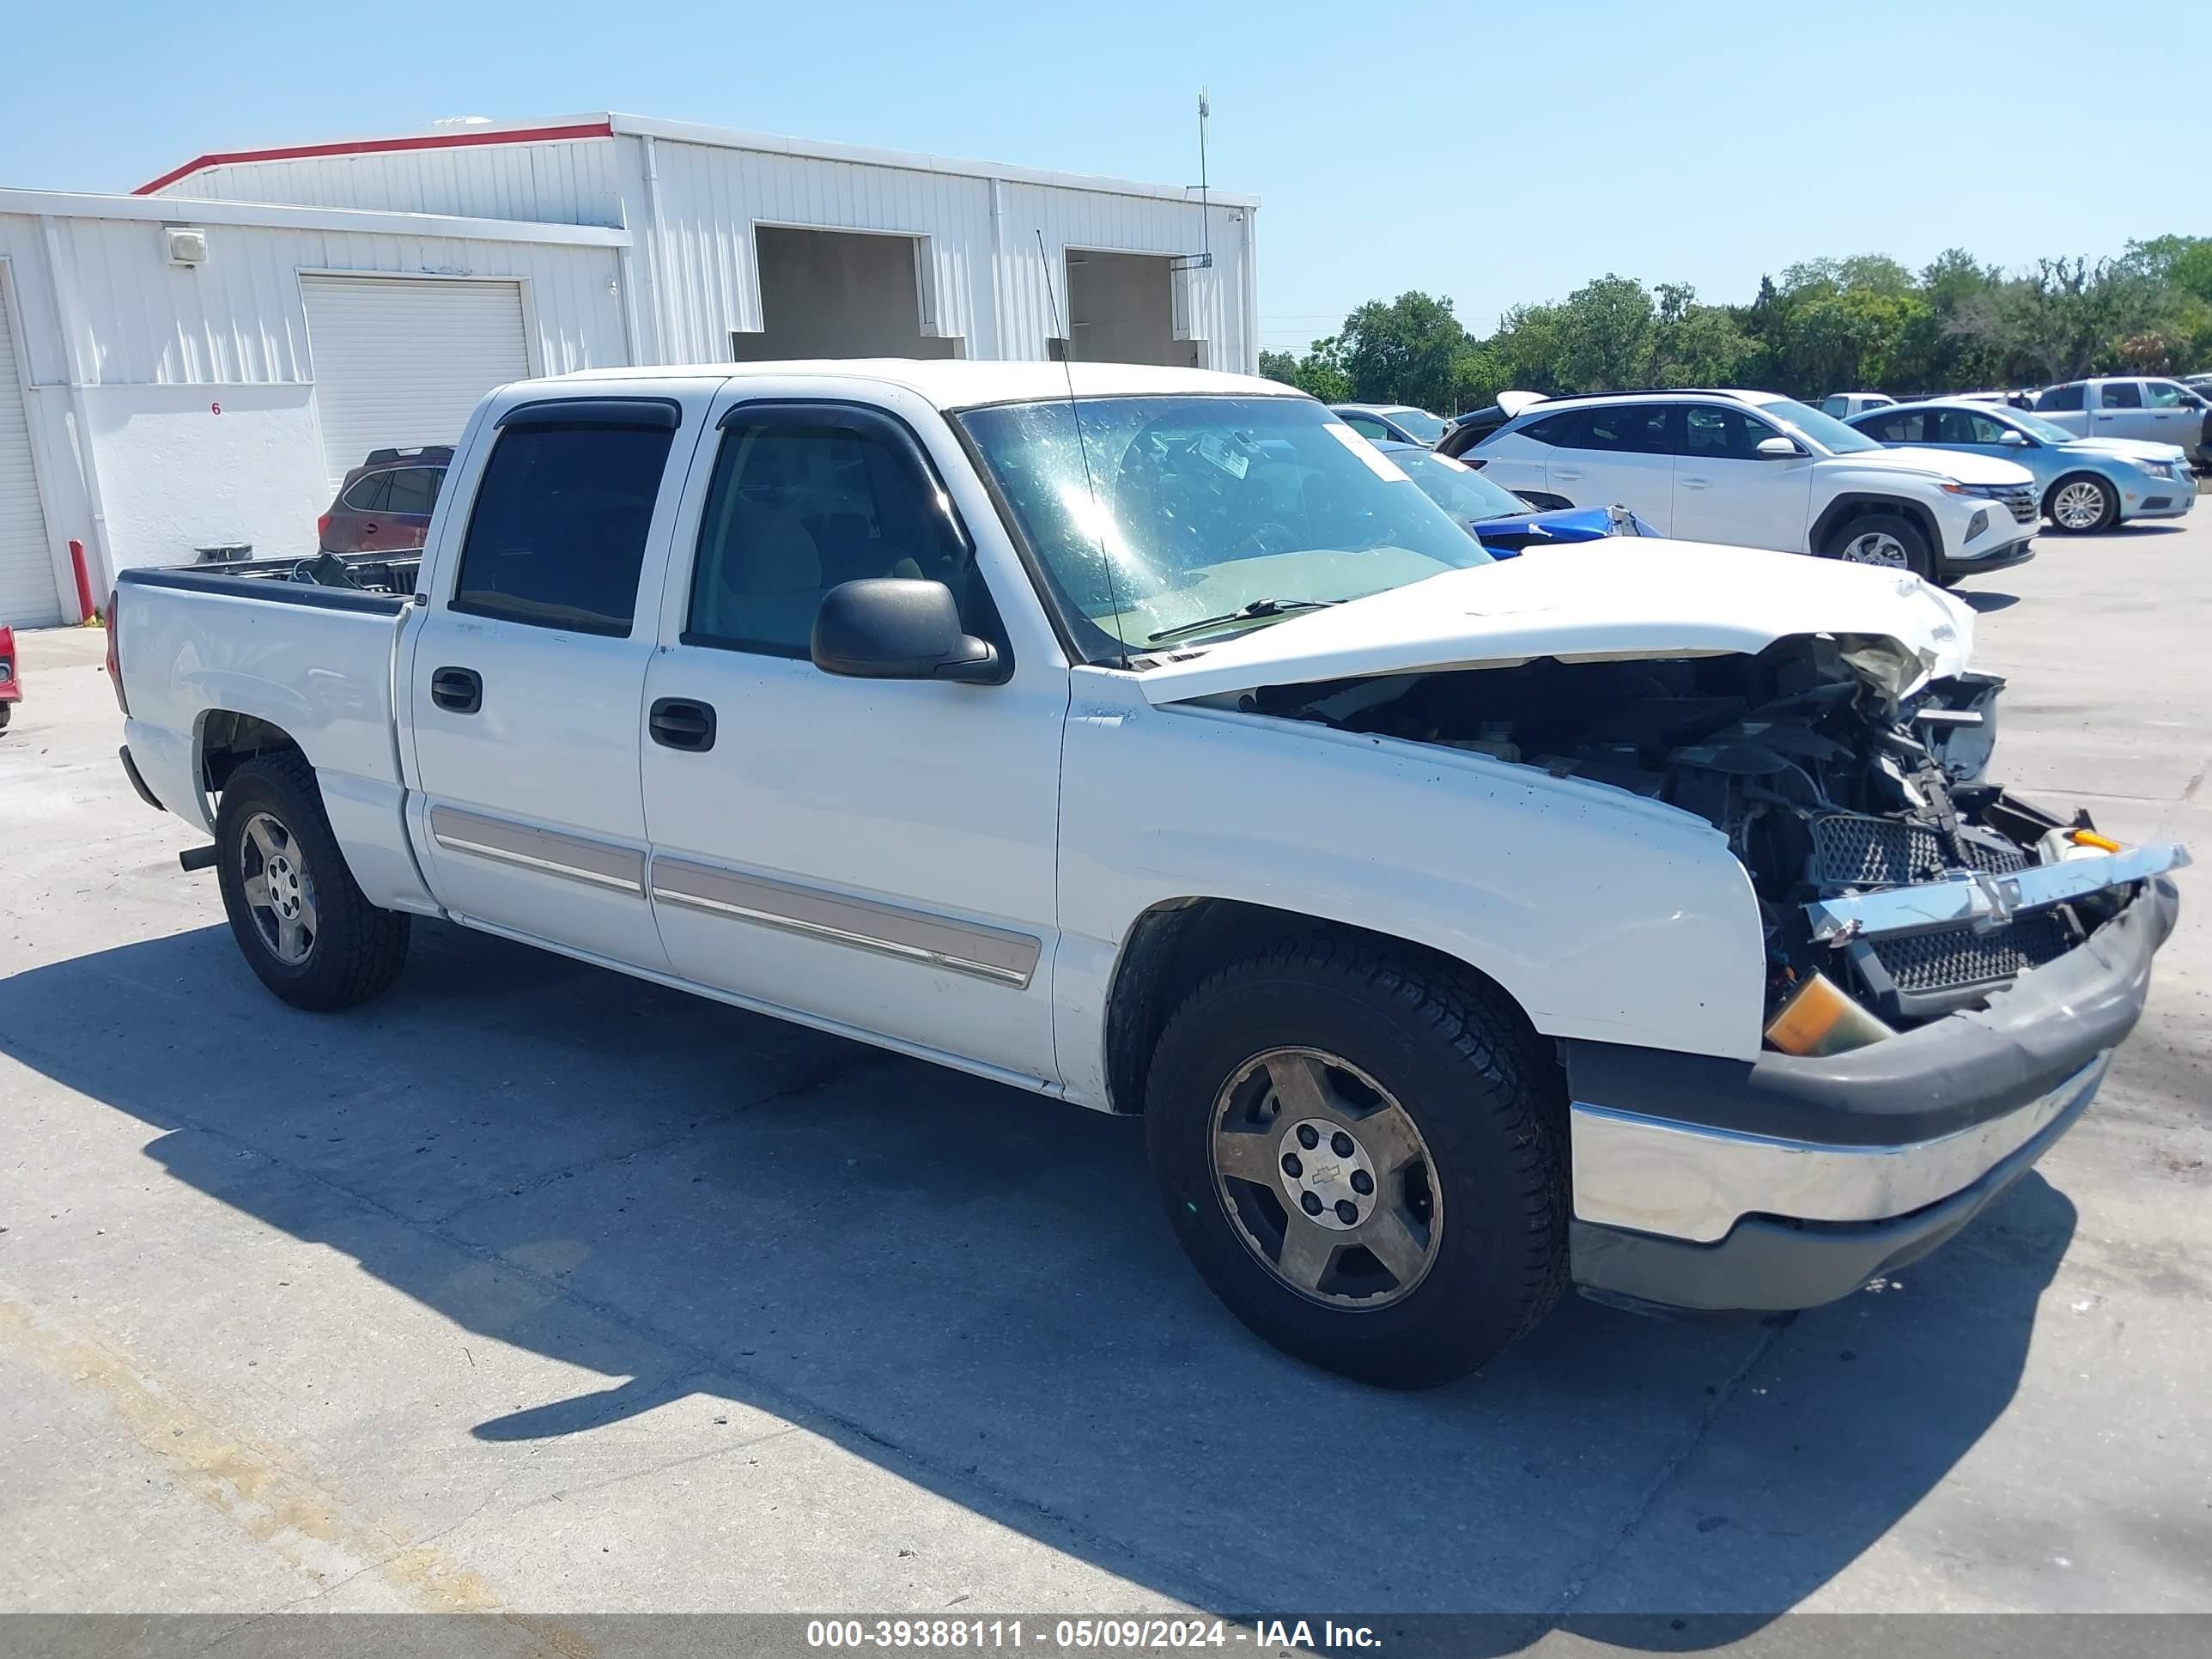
[1196,508]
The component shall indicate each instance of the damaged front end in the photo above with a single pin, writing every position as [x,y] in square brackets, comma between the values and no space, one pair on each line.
[1849,786]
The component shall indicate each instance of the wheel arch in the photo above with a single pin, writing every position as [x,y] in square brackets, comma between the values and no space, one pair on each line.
[226,739]
[1858,504]
[1174,945]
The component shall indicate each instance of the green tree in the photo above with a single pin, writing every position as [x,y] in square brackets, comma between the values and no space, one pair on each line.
[1607,330]
[1408,350]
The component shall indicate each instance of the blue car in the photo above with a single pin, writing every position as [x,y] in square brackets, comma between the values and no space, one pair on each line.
[2083,483]
[1498,518]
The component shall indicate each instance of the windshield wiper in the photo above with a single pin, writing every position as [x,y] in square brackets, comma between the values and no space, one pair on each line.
[1242,613]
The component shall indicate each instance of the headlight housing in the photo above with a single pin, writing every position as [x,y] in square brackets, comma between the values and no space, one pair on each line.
[2157,469]
[1981,492]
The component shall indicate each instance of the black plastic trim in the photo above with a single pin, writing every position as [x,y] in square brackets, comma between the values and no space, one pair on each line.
[137,783]
[659,414]
[263,587]
[1846,506]
[1949,1074]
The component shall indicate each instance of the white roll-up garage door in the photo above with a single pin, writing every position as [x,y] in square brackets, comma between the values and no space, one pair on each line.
[27,595]
[400,362]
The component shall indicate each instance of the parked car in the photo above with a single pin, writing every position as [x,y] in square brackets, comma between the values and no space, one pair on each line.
[1499,520]
[1761,470]
[11,684]
[2023,397]
[384,505]
[2083,483]
[1471,429]
[1397,422]
[1018,670]
[2154,411]
[1845,404]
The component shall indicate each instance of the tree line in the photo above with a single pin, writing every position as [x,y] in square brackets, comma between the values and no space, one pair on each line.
[1862,324]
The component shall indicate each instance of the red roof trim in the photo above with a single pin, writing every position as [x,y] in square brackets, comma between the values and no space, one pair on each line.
[379,146]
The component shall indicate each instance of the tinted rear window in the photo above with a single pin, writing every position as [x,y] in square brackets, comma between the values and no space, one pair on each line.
[556,537]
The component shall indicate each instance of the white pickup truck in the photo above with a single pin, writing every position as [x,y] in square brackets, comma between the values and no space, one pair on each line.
[1144,739]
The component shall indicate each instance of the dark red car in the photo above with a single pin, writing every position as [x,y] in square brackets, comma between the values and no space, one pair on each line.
[384,505]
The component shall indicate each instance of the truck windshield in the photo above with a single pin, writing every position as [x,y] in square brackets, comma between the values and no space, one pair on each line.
[1200,507]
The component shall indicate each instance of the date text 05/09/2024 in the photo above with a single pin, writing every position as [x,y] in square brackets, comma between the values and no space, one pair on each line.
[1127,1635]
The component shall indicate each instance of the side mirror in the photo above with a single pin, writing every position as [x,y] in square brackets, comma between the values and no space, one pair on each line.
[2013,440]
[1777,449]
[899,628]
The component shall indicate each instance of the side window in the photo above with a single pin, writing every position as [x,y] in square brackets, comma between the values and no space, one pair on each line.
[1986,429]
[1618,428]
[1366,426]
[801,499]
[2060,398]
[1884,429]
[556,535]
[1560,431]
[2121,394]
[2163,394]
[414,490]
[1957,426]
[1722,435]
[369,494]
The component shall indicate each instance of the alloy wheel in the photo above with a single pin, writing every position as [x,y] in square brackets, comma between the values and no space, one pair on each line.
[1877,547]
[279,892]
[1326,1178]
[2080,506]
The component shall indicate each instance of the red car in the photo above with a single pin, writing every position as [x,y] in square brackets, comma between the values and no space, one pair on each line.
[11,689]
[384,505]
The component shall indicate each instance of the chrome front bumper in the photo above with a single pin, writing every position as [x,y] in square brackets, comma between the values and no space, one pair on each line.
[1686,1180]
[1785,1180]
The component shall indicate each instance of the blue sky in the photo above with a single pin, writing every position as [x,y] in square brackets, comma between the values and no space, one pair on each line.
[1493,154]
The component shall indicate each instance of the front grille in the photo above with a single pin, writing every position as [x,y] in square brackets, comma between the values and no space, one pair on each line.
[2021,502]
[1958,957]
[1851,851]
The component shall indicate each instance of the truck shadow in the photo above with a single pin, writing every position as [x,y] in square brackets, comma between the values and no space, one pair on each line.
[973,1288]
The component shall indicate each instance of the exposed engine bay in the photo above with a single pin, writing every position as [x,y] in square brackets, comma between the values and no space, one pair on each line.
[1831,771]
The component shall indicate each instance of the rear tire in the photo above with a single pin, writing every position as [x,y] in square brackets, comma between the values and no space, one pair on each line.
[1422,1081]
[2081,504]
[6,709]
[301,920]
[1888,541]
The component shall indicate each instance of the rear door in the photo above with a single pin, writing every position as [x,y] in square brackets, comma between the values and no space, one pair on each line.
[1726,491]
[526,679]
[1609,454]
[2120,412]
[408,505]
[879,854]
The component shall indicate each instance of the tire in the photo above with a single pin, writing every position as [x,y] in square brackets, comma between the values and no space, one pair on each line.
[1476,1216]
[1888,541]
[6,710]
[2087,503]
[335,949]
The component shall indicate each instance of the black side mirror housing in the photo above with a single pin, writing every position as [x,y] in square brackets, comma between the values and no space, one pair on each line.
[899,628]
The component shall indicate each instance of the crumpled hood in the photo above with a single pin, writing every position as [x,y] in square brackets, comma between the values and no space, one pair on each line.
[1648,597]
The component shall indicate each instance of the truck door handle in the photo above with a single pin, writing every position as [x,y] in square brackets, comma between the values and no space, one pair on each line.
[679,723]
[457,690]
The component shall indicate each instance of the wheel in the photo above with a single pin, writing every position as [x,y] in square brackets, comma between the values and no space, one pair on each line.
[1887,539]
[2079,503]
[1365,1158]
[6,709]
[298,914]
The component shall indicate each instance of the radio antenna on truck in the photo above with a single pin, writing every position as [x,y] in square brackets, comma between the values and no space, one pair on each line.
[1090,484]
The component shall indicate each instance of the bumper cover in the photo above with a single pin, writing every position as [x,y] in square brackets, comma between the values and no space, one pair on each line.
[1785,1182]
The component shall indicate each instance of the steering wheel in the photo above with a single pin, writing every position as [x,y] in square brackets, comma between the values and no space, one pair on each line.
[1259,538]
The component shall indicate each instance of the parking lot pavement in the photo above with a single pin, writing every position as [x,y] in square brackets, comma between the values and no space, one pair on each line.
[533,1287]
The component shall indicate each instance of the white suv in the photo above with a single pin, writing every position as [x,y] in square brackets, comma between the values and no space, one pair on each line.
[1756,470]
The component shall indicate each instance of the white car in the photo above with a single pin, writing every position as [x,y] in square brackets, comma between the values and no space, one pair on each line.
[1755,469]
[1144,739]
[1845,404]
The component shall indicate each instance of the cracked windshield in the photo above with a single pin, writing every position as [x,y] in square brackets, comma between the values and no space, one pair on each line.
[1203,517]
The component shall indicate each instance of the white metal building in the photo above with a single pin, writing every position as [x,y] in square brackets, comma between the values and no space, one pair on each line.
[161,393]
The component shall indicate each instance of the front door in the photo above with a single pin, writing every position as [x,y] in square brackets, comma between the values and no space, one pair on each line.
[1726,491]
[877,854]
[526,679]
[2120,412]
[2171,414]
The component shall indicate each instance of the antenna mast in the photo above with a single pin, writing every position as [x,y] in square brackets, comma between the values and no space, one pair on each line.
[1202,260]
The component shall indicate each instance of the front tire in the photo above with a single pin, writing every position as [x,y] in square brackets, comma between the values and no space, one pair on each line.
[1888,541]
[1364,1156]
[301,920]
[2079,504]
